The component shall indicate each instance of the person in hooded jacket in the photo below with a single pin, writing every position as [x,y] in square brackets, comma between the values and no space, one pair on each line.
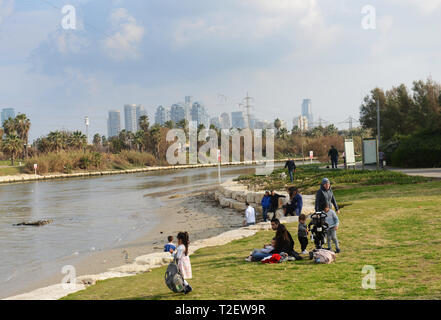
[325,196]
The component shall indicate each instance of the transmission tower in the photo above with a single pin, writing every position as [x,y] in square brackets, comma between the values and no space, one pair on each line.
[247,107]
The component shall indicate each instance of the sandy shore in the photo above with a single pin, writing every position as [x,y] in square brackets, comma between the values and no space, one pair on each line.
[196,213]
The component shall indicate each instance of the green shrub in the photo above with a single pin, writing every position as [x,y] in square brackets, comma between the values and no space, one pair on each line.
[419,151]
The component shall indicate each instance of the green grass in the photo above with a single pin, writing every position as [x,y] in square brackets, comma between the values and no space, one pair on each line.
[11,171]
[308,178]
[394,228]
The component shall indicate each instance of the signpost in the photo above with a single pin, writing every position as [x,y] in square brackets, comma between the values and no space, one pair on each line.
[35,168]
[370,154]
[349,153]
[311,155]
[218,165]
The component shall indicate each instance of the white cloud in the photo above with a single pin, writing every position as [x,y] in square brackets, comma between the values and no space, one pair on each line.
[426,7]
[6,9]
[128,35]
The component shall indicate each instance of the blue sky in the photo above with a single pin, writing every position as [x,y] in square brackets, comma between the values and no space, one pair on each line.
[157,51]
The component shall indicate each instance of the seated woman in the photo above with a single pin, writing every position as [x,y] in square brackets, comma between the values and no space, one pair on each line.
[283,243]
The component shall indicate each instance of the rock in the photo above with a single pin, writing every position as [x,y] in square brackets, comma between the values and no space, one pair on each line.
[38,223]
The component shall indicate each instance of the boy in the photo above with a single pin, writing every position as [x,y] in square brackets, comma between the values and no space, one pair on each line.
[303,234]
[266,249]
[250,215]
[331,233]
[169,247]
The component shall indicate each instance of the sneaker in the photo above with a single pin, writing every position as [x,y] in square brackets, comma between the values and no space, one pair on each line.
[187,289]
[337,251]
[248,259]
[330,249]
[305,252]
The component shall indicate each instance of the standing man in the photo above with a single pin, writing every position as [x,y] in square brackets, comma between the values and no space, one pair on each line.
[250,215]
[381,158]
[266,204]
[275,203]
[325,197]
[333,153]
[290,164]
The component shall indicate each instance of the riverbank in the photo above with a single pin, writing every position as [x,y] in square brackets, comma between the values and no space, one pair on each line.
[32,177]
[383,226]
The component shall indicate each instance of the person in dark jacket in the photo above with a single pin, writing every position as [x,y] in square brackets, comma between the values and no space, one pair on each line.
[275,202]
[266,204]
[333,153]
[290,164]
[325,196]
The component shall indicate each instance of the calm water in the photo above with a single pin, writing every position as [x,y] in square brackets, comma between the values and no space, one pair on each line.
[89,214]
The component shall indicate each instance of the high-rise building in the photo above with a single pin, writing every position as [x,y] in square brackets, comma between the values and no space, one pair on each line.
[188,101]
[177,112]
[237,120]
[130,119]
[301,122]
[307,111]
[113,123]
[199,115]
[7,113]
[140,111]
[162,115]
[225,121]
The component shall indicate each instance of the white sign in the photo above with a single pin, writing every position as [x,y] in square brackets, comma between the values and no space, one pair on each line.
[369,151]
[349,152]
[311,154]
[35,166]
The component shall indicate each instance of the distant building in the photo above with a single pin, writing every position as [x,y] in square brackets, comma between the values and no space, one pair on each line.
[225,121]
[216,122]
[162,115]
[114,123]
[199,115]
[237,120]
[188,101]
[301,122]
[7,113]
[130,118]
[177,112]
[307,111]
[263,124]
[140,111]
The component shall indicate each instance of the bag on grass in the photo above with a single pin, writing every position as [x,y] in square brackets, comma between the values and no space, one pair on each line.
[173,278]
[323,256]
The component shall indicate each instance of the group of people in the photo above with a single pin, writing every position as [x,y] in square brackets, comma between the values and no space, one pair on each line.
[283,241]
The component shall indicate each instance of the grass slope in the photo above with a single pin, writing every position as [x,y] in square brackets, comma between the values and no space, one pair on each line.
[394,228]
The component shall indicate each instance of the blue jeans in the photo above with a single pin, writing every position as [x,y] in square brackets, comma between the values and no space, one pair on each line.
[258,256]
[291,175]
[334,162]
[265,214]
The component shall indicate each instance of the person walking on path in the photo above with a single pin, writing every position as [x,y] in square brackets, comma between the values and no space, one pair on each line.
[266,204]
[290,164]
[250,215]
[325,197]
[333,153]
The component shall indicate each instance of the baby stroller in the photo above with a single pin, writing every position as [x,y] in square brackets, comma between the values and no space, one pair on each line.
[318,228]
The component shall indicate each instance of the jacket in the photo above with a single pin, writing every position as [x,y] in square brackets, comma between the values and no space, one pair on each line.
[266,202]
[290,164]
[275,202]
[324,197]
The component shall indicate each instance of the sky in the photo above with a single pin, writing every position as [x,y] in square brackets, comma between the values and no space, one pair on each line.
[155,52]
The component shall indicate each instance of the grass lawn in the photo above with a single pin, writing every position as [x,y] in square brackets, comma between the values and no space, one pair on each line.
[395,228]
[10,171]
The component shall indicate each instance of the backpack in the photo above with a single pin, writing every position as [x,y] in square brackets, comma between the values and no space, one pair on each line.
[323,256]
[173,278]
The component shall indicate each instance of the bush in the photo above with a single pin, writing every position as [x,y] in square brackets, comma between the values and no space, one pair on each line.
[422,150]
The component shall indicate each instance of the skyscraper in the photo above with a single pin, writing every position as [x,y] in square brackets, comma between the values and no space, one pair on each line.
[130,118]
[113,123]
[301,122]
[177,112]
[162,115]
[7,113]
[237,120]
[140,111]
[307,111]
[199,115]
[225,121]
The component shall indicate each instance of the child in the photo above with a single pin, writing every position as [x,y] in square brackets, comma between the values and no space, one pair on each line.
[181,255]
[303,233]
[170,247]
[266,249]
[331,233]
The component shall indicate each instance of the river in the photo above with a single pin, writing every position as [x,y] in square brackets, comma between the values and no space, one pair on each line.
[89,215]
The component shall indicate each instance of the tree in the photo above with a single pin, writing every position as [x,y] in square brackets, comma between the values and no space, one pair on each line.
[9,126]
[97,139]
[22,125]
[77,140]
[283,134]
[57,140]
[144,123]
[139,140]
[12,145]
[277,124]
[155,139]
[169,124]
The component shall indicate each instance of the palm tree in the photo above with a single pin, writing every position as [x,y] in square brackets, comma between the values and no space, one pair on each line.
[283,134]
[56,140]
[155,139]
[9,126]
[22,126]
[97,139]
[12,145]
[277,124]
[144,123]
[77,140]
[139,140]
[169,124]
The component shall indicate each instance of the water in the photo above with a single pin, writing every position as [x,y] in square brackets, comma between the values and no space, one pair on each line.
[89,214]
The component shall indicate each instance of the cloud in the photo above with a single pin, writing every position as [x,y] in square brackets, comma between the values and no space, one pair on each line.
[426,7]
[124,42]
[6,9]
